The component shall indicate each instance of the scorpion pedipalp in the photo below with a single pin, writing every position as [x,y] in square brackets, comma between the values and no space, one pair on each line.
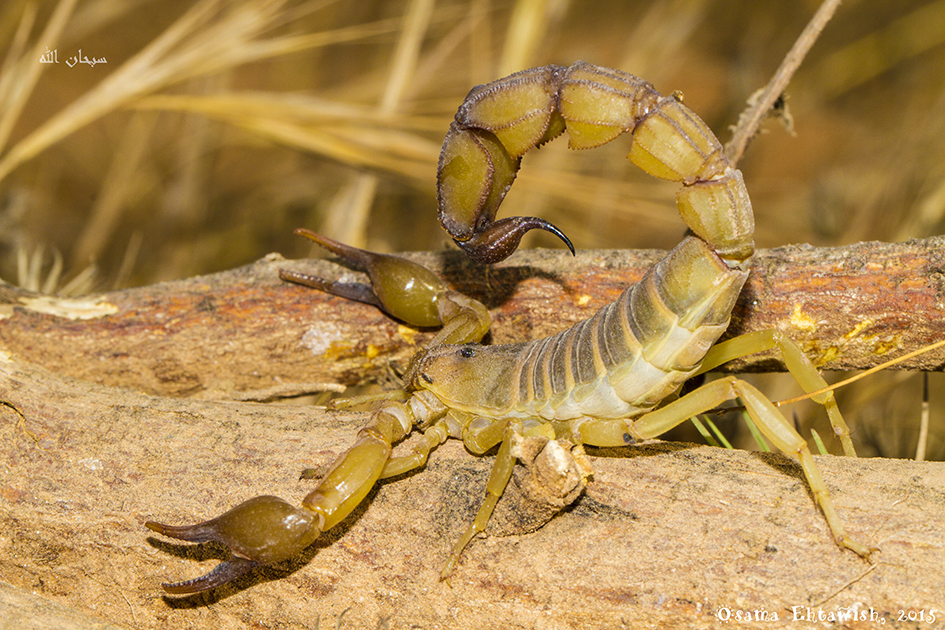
[260,531]
[399,287]
[265,530]
[404,290]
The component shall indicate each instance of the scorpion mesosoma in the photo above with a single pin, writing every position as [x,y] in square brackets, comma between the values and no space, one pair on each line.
[603,382]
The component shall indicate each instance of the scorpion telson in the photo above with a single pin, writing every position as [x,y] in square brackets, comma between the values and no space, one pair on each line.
[603,381]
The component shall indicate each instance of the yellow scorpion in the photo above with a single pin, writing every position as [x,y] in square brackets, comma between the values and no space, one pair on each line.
[603,382]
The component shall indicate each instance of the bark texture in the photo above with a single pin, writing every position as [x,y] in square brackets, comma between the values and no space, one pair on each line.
[245,335]
[666,535]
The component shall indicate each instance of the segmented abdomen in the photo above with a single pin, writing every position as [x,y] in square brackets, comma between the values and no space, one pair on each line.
[636,351]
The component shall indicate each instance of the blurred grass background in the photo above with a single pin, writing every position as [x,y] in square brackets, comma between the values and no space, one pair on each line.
[215,128]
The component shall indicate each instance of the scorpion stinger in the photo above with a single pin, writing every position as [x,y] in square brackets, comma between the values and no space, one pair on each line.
[604,381]
[497,241]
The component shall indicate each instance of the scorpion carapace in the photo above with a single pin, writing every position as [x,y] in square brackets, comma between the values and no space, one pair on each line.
[602,382]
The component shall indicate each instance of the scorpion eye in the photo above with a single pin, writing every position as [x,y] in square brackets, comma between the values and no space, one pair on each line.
[426,378]
[467,352]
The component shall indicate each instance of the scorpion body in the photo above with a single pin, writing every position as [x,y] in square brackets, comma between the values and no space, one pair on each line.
[603,382]
[618,364]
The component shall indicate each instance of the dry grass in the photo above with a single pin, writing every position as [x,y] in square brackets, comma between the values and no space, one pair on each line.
[216,128]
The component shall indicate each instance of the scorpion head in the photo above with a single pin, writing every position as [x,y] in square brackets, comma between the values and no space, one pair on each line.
[468,376]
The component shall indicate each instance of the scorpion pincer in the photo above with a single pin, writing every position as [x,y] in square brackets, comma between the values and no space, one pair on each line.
[604,381]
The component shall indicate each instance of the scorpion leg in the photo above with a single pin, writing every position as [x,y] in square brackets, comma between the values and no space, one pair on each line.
[798,365]
[554,474]
[432,437]
[772,424]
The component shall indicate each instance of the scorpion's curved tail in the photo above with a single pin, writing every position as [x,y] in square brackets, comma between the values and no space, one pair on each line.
[500,121]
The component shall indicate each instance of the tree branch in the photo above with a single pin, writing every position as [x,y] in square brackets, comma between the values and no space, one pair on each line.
[762,101]
[245,335]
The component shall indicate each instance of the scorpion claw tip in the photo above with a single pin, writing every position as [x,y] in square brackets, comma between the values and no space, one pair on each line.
[357,258]
[190,533]
[220,575]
